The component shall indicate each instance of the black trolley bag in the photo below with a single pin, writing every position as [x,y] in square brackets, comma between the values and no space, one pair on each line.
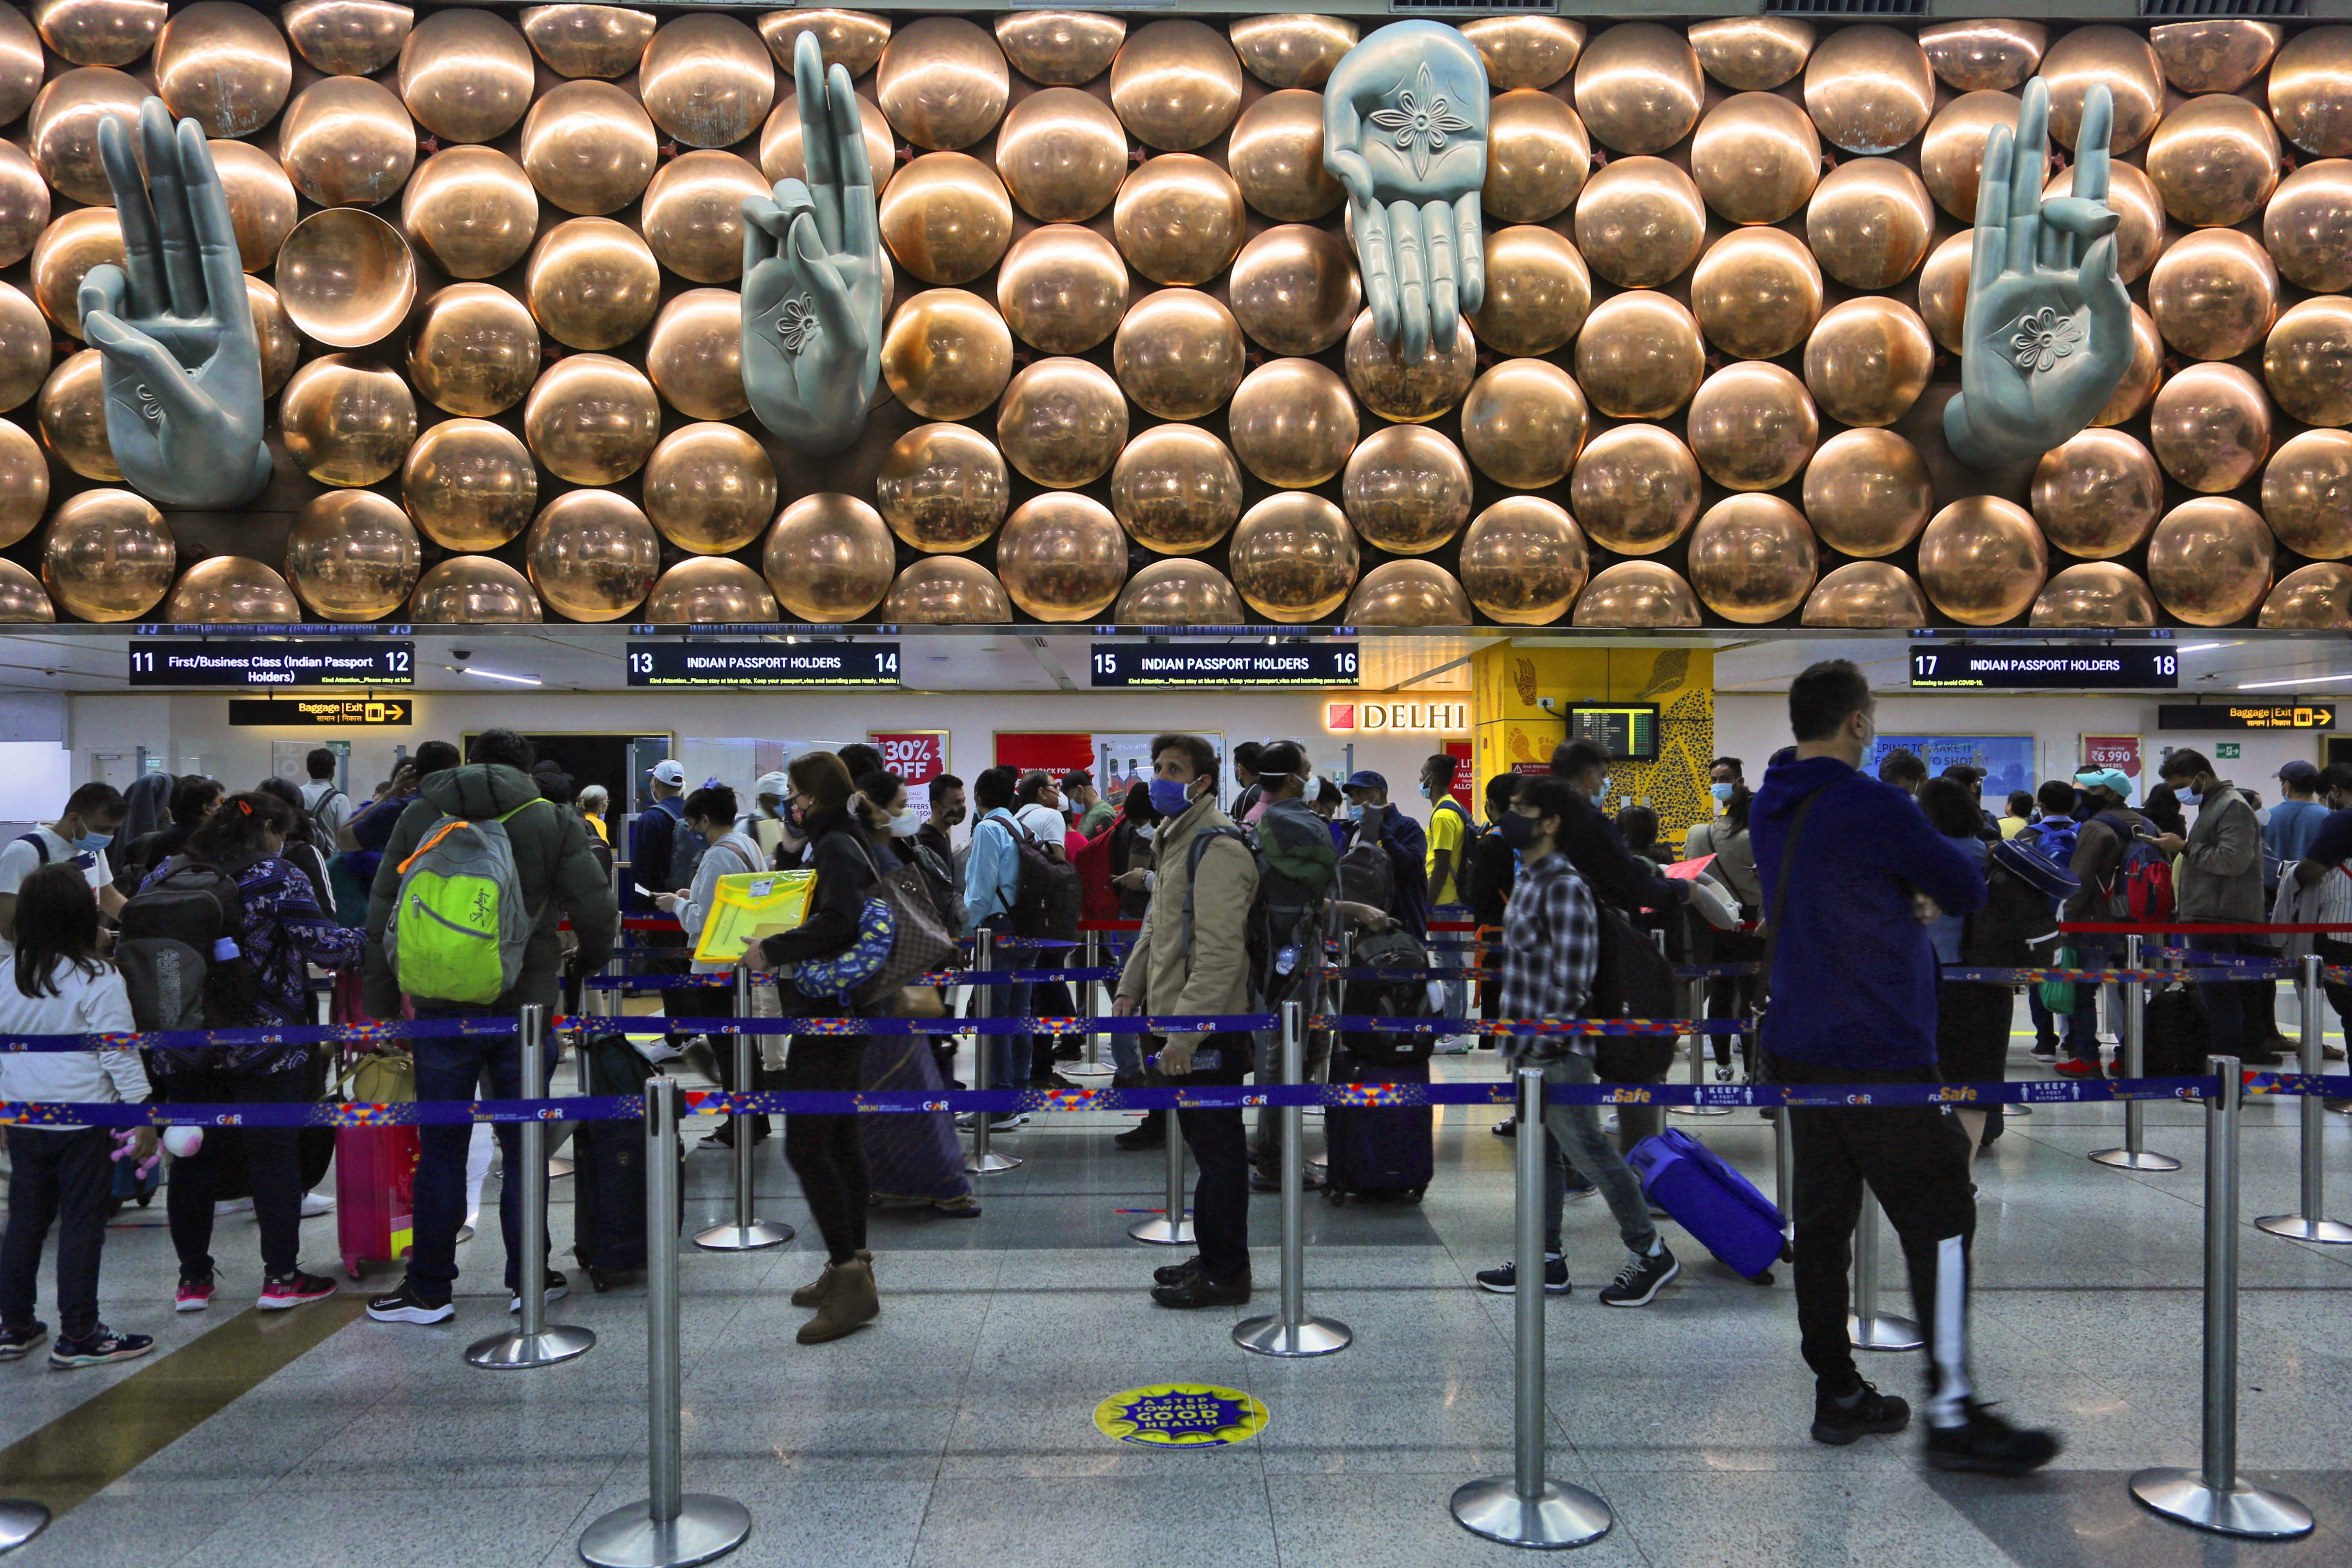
[1381,1151]
[608,1176]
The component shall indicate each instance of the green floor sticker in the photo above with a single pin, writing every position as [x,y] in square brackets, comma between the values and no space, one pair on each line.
[1180,1416]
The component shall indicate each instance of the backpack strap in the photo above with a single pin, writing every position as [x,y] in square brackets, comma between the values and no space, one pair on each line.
[1193,851]
[1788,864]
[40,846]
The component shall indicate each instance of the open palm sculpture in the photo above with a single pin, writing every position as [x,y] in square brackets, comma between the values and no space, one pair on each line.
[1404,133]
[173,324]
[2049,332]
[812,276]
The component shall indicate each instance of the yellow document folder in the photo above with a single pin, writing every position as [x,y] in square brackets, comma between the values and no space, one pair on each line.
[751,905]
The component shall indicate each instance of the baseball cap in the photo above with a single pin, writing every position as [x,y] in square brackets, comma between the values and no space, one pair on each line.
[1077,778]
[772,783]
[1366,779]
[668,770]
[2300,773]
[2103,778]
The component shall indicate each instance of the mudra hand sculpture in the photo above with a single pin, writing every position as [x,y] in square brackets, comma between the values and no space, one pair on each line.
[812,276]
[181,366]
[2049,332]
[1404,133]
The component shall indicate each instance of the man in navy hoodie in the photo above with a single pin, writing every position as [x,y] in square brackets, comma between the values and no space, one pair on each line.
[1850,868]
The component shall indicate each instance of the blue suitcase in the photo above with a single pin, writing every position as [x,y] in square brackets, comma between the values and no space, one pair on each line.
[1388,1151]
[1710,1200]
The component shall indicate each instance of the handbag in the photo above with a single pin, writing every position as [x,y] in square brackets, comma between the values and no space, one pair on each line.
[2058,996]
[899,939]
[377,1077]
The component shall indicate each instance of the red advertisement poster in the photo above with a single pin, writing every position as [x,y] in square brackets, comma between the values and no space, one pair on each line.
[2121,753]
[917,756]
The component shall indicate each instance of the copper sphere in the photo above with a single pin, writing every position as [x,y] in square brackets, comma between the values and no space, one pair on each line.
[1294,291]
[21,64]
[709,489]
[2117,58]
[229,590]
[98,32]
[1867,493]
[943,82]
[707,79]
[1638,86]
[2214,159]
[62,131]
[353,555]
[2214,55]
[1637,596]
[780,144]
[469,485]
[25,352]
[2214,295]
[1944,291]
[2097,595]
[1059,49]
[347,142]
[1639,356]
[2210,427]
[1751,426]
[1757,293]
[2311,90]
[1061,421]
[1302,51]
[946,217]
[1983,560]
[470,210]
[25,484]
[1176,488]
[1523,562]
[2307,226]
[1752,559]
[1063,289]
[2316,598]
[1523,423]
[108,557]
[1176,84]
[466,74]
[1635,489]
[829,559]
[1408,593]
[2098,496]
[1755,158]
[2308,360]
[588,147]
[1876,594]
[592,419]
[853,40]
[1413,394]
[72,416]
[592,555]
[347,419]
[693,214]
[1276,157]
[475,350]
[1868,361]
[224,67]
[1869,223]
[2141,378]
[710,591]
[1292,424]
[1640,222]
[946,354]
[1752,54]
[1951,156]
[1537,157]
[22,602]
[281,346]
[588,40]
[1294,557]
[1984,54]
[2209,560]
[1869,89]
[346,277]
[1178,593]
[943,488]
[1537,291]
[1062,558]
[1062,154]
[24,204]
[1406,489]
[1179,353]
[1178,219]
[261,201]
[347,37]
[2306,494]
[2139,236]
[947,590]
[694,355]
[473,590]
[593,283]
[1523,51]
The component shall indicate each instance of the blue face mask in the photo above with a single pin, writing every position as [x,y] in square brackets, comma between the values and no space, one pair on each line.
[96,840]
[1722,791]
[1169,799]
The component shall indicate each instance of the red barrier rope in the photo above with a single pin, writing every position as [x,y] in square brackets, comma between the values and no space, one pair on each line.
[2205,928]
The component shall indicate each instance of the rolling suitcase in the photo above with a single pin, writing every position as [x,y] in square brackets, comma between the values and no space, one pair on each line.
[2176,1034]
[1383,1151]
[1710,1200]
[608,1176]
[375,1167]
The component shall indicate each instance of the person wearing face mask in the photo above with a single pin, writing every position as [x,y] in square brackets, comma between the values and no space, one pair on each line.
[728,852]
[2108,828]
[2320,886]
[1447,863]
[1727,838]
[991,884]
[79,837]
[1374,821]
[1725,777]
[764,824]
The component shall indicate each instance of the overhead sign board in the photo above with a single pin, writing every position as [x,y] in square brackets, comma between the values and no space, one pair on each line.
[2030,666]
[285,662]
[2246,716]
[320,712]
[1222,664]
[804,664]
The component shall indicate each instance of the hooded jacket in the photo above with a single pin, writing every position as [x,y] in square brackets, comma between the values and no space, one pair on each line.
[2099,856]
[2221,870]
[553,861]
[1164,974]
[1853,975]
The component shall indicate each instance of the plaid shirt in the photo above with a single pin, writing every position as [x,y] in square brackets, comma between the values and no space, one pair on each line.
[1551,943]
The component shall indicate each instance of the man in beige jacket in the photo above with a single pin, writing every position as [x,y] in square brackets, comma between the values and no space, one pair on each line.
[1193,957]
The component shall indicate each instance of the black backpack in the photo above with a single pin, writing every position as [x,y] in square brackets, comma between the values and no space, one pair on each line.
[1631,979]
[1366,877]
[1282,929]
[168,948]
[2015,919]
[1050,898]
[2176,1032]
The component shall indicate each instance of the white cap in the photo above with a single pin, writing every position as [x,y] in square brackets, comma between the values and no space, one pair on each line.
[772,785]
[668,770]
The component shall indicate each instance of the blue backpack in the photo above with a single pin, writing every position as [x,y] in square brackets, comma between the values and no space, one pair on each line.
[2057,837]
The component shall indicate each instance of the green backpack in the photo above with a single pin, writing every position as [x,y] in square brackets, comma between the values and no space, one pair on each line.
[458,927]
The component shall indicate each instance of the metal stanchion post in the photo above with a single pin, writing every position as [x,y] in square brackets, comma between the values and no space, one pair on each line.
[1694,1010]
[984,1160]
[746,1234]
[673,1528]
[2309,1225]
[1523,1509]
[2131,1156]
[2213,1498]
[1290,1331]
[20,1521]
[1171,1228]
[1866,1326]
[534,1343]
[1784,1163]
[1093,1066]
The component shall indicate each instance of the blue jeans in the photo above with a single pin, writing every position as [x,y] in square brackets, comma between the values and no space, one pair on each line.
[1008,1055]
[450,1069]
[1454,1001]
[1575,1132]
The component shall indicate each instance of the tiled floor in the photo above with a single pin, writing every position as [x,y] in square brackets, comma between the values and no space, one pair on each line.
[958,1429]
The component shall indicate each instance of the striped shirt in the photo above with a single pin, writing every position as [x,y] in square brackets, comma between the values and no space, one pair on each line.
[1551,944]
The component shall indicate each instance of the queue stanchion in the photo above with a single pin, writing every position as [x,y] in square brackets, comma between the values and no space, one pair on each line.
[1866,1326]
[984,1160]
[1171,1227]
[535,1341]
[2134,1155]
[745,1234]
[673,1528]
[1784,1164]
[1290,1331]
[2211,1497]
[21,1519]
[1523,1509]
[1093,1066]
[2310,1224]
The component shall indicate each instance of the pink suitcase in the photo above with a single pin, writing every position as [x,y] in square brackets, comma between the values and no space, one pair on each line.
[375,1174]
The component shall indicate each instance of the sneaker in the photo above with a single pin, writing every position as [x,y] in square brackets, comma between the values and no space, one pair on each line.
[194,1295]
[1508,1127]
[1311,1180]
[1577,1186]
[1638,1283]
[964,1206]
[1838,1422]
[1003,1123]
[228,1207]
[280,1292]
[657,1051]
[1504,1279]
[16,1344]
[465,1234]
[406,1305]
[316,1204]
[2045,1050]
[1988,1445]
[558,1287]
[2075,1067]
[100,1345]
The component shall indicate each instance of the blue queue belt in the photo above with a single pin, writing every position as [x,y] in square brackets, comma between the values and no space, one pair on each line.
[982,978]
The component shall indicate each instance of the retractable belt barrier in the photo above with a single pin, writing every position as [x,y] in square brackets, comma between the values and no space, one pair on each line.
[982,978]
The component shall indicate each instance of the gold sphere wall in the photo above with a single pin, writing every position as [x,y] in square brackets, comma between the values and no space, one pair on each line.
[1127,370]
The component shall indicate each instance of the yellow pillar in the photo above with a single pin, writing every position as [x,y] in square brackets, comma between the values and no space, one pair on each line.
[1510,730]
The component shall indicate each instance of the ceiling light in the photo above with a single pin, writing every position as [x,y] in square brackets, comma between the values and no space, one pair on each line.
[2202,646]
[494,675]
[2299,681]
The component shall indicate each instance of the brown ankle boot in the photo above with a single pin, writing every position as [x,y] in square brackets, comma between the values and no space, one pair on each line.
[850,1304]
[815,1292]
